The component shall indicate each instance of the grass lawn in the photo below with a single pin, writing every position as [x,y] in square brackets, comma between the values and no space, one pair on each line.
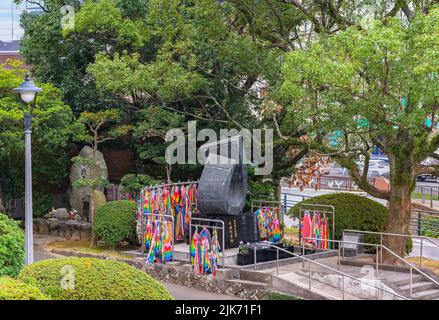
[84,247]
[426,263]
[418,195]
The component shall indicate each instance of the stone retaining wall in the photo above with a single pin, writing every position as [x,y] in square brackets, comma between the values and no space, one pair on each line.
[68,229]
[181,276]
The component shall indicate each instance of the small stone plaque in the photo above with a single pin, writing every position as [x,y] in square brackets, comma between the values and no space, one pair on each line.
[353,248]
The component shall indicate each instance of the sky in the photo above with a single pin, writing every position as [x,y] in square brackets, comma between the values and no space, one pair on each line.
[10,21]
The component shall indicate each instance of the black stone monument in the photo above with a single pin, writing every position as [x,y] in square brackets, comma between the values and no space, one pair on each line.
[222,194]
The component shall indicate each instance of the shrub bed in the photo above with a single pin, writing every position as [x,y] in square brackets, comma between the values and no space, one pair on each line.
[11,247]
[12,289]
[92,279]
[115,221]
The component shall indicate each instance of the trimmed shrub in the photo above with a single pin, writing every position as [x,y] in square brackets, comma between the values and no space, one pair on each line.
[430,227]
[352,212]
[11,247]
[92,279]
[115,221]
[12,289]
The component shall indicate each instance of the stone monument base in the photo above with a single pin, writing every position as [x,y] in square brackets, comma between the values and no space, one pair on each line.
[68,229]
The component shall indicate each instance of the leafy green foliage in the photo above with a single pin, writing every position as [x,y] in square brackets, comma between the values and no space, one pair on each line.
[11,247]
[115,221]
[12,289]
[133,183]
[53,128]
[94,279]
[430,227]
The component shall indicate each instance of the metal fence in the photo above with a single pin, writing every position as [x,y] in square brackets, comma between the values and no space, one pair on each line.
[427,194]
[424,223]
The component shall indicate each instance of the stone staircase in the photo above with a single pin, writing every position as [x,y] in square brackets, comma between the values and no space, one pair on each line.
[252,280]
[422,289]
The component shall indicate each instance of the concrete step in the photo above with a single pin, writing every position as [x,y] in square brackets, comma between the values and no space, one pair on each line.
[250,284]
[255,276]
[426,295]
[406,280]
[417,287]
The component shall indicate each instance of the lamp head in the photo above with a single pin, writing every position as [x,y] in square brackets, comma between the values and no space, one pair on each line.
[27,90]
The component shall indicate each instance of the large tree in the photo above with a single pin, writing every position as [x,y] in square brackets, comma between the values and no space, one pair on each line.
[376,87]
[53,128]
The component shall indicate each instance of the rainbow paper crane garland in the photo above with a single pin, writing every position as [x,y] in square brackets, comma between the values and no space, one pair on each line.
[204,252]
[158,242]
[178,201]
[315,226]
[268,224]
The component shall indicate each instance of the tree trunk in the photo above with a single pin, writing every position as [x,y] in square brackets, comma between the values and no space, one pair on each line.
[2,207]
[398,222]
[93,243]
[402,182]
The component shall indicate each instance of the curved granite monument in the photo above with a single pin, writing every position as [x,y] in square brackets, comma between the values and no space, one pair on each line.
[223,187]
[222,193]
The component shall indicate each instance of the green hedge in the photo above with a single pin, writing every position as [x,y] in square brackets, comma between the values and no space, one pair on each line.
[352,212]
[115,221]
[93,279]
[11,247]
[430,227]
[12,289]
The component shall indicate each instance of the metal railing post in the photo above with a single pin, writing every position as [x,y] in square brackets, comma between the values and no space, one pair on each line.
[277,264]
[309,274]
[224,244]
[381,246]
[377,261]
[411,282]
[342,287]
[143,228]
[303,253]
[431,197]
[254,252]
[421,253]
[339,258]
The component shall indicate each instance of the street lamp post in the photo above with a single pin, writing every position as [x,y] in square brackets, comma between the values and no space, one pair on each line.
[28,93]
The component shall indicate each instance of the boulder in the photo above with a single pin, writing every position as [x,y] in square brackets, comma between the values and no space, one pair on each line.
[62,214]
[81,171]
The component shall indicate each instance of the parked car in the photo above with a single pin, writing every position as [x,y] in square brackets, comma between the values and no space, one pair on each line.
[428,177]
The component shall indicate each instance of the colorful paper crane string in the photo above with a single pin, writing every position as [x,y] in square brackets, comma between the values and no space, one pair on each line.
[268,224]
[315,229]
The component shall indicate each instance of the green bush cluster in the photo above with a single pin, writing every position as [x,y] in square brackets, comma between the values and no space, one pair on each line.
[115,221]
[12,289]
[352,212]
[92,279]
[11,247]
[430,227]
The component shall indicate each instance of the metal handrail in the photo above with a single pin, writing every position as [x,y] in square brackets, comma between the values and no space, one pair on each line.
[381,234]
[412,267]
[223,229]
[171,185]
[324,266]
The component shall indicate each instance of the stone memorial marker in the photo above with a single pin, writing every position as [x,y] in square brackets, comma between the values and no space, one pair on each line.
[353,249]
